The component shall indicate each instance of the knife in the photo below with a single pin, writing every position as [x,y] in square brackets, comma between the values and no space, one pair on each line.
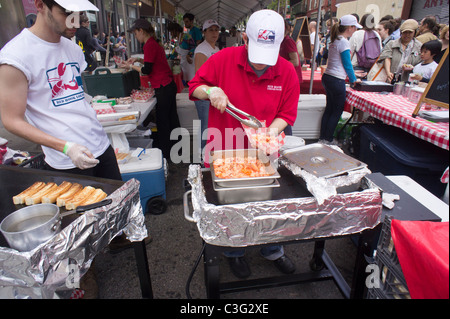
[82,209]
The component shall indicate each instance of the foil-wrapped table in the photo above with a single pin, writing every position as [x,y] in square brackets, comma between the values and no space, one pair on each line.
[44,271]
[223,230]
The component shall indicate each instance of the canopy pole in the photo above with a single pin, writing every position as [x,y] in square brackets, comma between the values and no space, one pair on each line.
[316,46]
[160,21]
[125,22]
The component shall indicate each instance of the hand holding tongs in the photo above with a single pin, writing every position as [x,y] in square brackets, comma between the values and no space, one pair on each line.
[252,121]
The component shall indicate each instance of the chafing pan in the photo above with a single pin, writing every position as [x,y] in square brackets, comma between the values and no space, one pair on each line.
[322,160]
[244,182]
[243,194]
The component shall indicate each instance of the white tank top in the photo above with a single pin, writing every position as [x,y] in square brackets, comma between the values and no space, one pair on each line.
[55,102]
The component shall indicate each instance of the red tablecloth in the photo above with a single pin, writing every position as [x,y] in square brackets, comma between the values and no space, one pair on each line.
[317,83]
[397,111]
[423,252]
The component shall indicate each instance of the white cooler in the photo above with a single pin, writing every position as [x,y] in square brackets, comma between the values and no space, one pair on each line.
[187,112]
[309,116]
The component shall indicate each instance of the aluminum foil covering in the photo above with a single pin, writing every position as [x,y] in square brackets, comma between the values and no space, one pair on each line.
[323,188]
[274,221]
[53,269]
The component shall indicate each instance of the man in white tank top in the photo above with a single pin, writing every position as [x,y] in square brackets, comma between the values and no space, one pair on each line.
[42,97]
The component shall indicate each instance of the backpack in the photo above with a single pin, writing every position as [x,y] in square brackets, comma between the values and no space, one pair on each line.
[369,51]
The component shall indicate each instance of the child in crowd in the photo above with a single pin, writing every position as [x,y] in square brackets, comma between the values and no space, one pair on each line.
[424,71]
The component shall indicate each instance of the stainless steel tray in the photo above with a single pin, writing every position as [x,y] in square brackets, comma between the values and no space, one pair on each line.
[244,194]
[322,160]
[243,182]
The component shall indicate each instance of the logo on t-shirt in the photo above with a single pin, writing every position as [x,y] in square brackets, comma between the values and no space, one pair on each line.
[266,36]
[274,88]
[65,82]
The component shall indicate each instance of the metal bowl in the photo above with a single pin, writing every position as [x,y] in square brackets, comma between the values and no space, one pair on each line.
[27,228]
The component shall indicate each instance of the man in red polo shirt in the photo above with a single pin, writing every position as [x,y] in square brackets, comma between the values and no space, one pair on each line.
[254,79]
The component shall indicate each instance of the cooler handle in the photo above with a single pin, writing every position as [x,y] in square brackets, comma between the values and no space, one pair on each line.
[98,70]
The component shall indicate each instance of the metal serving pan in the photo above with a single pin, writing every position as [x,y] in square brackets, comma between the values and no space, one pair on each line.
[322,160]
[243,194]
[243,182]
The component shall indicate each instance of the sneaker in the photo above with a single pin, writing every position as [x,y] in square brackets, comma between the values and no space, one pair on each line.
[239,267]
[284,264]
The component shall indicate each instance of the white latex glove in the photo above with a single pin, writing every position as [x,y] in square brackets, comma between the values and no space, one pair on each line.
[218,98]
[81,157]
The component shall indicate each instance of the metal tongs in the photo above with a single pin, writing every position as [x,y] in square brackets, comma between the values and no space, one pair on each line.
[252,121]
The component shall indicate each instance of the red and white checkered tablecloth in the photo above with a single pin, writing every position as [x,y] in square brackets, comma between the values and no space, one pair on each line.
[397,111]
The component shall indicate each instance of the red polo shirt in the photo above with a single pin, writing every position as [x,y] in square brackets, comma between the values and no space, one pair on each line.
[273,95]
[161,74]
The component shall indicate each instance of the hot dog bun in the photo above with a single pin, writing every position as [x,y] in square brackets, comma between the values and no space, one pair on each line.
[51,197]
[96,196]
[20,198]
[37,197]
[75,188]
[79,197]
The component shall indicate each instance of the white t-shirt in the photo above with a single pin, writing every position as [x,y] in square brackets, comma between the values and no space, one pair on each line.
[356,42]
[334,65]
[425,70]
[55,101]
[206,49]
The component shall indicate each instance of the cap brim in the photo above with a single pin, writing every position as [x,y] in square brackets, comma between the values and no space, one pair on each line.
[263,55]
[358,26]
[81,5]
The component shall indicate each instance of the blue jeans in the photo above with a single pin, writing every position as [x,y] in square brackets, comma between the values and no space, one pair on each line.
[336,93]
[203,111]
[268,252]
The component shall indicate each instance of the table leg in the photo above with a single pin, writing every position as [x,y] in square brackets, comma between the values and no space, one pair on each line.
[365,248]
[316,263]
[140,253]
[211,265]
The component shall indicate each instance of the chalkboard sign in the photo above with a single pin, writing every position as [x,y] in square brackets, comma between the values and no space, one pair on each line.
[438,88]
[301,32]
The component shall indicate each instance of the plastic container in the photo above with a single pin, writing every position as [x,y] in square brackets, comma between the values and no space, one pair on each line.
[104,82]
[393,151]
[392,281]
[187,112]
[148,169]
[309,116]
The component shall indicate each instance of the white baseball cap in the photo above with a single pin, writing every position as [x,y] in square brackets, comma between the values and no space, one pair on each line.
[77,5]
[265,32]
[209,23]
[350,20]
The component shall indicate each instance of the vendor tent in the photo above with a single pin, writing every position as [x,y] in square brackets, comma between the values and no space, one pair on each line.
[226,12]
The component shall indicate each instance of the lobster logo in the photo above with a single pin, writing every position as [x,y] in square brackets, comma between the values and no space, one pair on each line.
[266,36]
[60,84]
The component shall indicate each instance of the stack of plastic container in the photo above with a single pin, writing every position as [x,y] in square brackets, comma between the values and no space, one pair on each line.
[392,281]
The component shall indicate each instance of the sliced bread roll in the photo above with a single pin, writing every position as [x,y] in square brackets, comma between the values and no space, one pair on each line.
[37,197]
[79,197]
[96,196]
[20,198]
[51,197]
[75,188]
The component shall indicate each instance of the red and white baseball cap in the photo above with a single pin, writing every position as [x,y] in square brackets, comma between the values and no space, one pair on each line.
[210,23]
[77,5]
[265,32]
